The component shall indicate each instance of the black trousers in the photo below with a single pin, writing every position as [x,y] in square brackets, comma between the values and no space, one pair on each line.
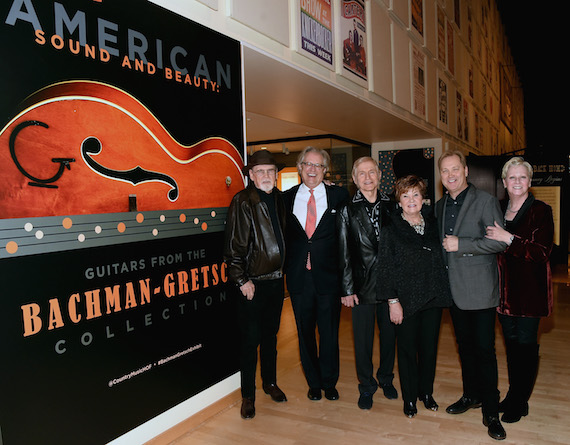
[364,319]
[523,330]
[259,321]
[475,334]
[417,338]
[317,311]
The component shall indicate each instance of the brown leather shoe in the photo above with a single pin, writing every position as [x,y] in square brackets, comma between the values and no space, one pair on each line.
[276,394]
[247,408]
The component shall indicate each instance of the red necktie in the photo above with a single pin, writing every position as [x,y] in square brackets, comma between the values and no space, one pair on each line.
[311,222]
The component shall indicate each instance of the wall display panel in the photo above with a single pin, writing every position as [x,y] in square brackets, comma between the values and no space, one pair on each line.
[485,102]
[506,100]
[477,130]
[467,121]
[469,26]
[354,40]
[442,102]
[121,141]
[551,196]
[431,91]
[459,116]
[457,13]
[450,48]
[441,35]
[417,19]
[471,78]
[418,75]
[315,37]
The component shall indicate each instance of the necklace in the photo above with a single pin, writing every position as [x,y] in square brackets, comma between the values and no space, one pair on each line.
[510,210]
[419,227]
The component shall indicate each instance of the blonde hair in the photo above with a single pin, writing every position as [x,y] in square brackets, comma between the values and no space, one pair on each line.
[450,153]
[514,162]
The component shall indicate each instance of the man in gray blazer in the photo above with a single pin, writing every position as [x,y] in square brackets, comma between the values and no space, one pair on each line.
[463,213]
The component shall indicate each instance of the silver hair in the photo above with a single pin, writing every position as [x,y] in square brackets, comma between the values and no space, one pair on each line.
[360,161]
[309,149]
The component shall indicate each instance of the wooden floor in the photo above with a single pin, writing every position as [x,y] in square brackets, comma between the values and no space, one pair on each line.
[301,421]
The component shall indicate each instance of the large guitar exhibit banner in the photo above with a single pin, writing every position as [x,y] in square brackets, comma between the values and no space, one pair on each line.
[121,133]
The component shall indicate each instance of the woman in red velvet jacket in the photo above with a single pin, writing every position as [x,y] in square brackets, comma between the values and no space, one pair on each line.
[526,282]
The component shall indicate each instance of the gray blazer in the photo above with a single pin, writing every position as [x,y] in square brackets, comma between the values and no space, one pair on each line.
[473,271]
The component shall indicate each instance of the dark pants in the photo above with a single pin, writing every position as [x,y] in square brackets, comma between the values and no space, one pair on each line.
[417,352]
[313,310]
[364,319]
[521,342]
[259,322]
[475,334]
[523,330]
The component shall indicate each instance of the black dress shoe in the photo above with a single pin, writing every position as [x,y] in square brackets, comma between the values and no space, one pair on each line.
[276,394]
[410,409]
[514,412]
[314,394]
[429,403]
[462,405]
[331,394]
[365,400]
[247,408]
[494,427]
[389,391]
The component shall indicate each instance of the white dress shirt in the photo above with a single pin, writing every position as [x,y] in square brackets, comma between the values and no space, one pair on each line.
[302,198]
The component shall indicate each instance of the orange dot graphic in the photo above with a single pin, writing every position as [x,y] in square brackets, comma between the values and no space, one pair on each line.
[11,247]
[67,223]
[182,217]
[140,218]
[121,227]
[204,226]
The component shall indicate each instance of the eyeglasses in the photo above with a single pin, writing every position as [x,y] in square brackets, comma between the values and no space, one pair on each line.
[261,172]
[311,164]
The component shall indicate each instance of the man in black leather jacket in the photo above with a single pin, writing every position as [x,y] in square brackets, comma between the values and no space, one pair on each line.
[254,252]
[360,222]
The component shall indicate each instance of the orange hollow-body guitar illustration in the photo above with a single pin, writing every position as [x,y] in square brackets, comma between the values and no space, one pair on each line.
[87,147]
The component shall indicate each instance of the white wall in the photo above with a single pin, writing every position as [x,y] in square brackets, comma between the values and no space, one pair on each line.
[479,50]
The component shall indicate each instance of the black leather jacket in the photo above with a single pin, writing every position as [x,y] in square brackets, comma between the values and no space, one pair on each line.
[250,248]
[358,247]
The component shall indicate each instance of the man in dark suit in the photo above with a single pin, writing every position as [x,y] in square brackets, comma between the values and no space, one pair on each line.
[463,214]
[312,272]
